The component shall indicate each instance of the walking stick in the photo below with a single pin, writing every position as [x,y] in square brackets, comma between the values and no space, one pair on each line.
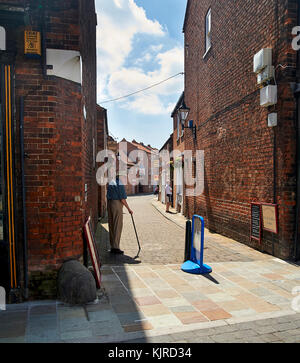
[136,237]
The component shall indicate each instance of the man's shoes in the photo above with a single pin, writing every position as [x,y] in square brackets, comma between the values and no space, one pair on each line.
[116,251]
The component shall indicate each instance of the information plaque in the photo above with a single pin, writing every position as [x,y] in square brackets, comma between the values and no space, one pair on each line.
[269,217]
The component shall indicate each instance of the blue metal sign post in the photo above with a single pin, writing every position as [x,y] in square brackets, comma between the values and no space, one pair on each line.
[195,265]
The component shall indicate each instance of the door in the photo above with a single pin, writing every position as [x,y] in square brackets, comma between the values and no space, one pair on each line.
[8,268]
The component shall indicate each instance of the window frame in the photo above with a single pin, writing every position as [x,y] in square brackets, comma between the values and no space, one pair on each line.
[208,27]
[2,38]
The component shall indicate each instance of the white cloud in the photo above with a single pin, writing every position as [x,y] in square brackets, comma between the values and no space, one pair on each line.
[149,104]
[129,80]
[118,3]
[119,21]
[156,48]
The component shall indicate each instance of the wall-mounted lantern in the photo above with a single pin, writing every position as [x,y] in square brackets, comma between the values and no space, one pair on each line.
[183,112]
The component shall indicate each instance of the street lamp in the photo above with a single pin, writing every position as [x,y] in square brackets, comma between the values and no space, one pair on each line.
[183,113]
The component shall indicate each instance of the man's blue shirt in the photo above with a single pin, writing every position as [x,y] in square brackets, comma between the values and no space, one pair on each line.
[116,190]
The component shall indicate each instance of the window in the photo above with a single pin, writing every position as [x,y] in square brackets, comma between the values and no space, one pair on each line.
[208,31]
[2,38]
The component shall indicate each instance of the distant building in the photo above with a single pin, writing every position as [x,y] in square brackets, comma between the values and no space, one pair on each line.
[140,172]
[49,138]
[178,165]
[166,169]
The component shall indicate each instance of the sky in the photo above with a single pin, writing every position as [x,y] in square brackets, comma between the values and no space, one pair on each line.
[140,43]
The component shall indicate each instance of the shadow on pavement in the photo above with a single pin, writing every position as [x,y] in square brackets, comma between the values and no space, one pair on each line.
[102,240]
[119,282]
[209,277]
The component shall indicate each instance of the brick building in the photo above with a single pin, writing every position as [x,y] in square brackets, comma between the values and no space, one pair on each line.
[49,138]
[166,174]
[142,177]
[245,159]
[178,144]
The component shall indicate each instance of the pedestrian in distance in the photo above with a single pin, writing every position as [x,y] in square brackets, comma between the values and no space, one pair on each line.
[116,200]
[156,192]
[168,197]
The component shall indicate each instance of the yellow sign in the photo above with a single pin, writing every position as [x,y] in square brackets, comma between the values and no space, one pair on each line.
[32,42]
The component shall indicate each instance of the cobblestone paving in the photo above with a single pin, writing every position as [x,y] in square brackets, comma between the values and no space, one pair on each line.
[163,241]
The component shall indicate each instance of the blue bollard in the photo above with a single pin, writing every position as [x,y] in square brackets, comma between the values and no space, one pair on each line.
[195,265]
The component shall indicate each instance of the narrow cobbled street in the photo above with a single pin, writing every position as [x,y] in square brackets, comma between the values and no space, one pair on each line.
[162,241]
[162,238]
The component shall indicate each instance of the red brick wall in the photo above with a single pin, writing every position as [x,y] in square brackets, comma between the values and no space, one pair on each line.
[232,129]
[89,126]
[58,141]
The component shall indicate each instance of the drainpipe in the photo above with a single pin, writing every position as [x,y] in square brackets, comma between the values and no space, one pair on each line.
[297,227]
[297,95]
[43,39]
[25,255]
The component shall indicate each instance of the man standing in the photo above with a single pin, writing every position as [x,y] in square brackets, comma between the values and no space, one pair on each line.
[116,199]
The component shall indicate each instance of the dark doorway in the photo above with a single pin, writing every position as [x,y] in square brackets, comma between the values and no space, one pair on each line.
[297,245]
[8,268]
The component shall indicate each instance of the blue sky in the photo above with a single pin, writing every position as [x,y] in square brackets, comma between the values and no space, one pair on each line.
[140,43]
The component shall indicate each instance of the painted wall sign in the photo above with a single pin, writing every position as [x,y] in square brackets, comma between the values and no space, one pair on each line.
[269,217]
[32,43]
[255,228]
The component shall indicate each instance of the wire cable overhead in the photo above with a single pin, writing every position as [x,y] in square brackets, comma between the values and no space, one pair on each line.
[142,90]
